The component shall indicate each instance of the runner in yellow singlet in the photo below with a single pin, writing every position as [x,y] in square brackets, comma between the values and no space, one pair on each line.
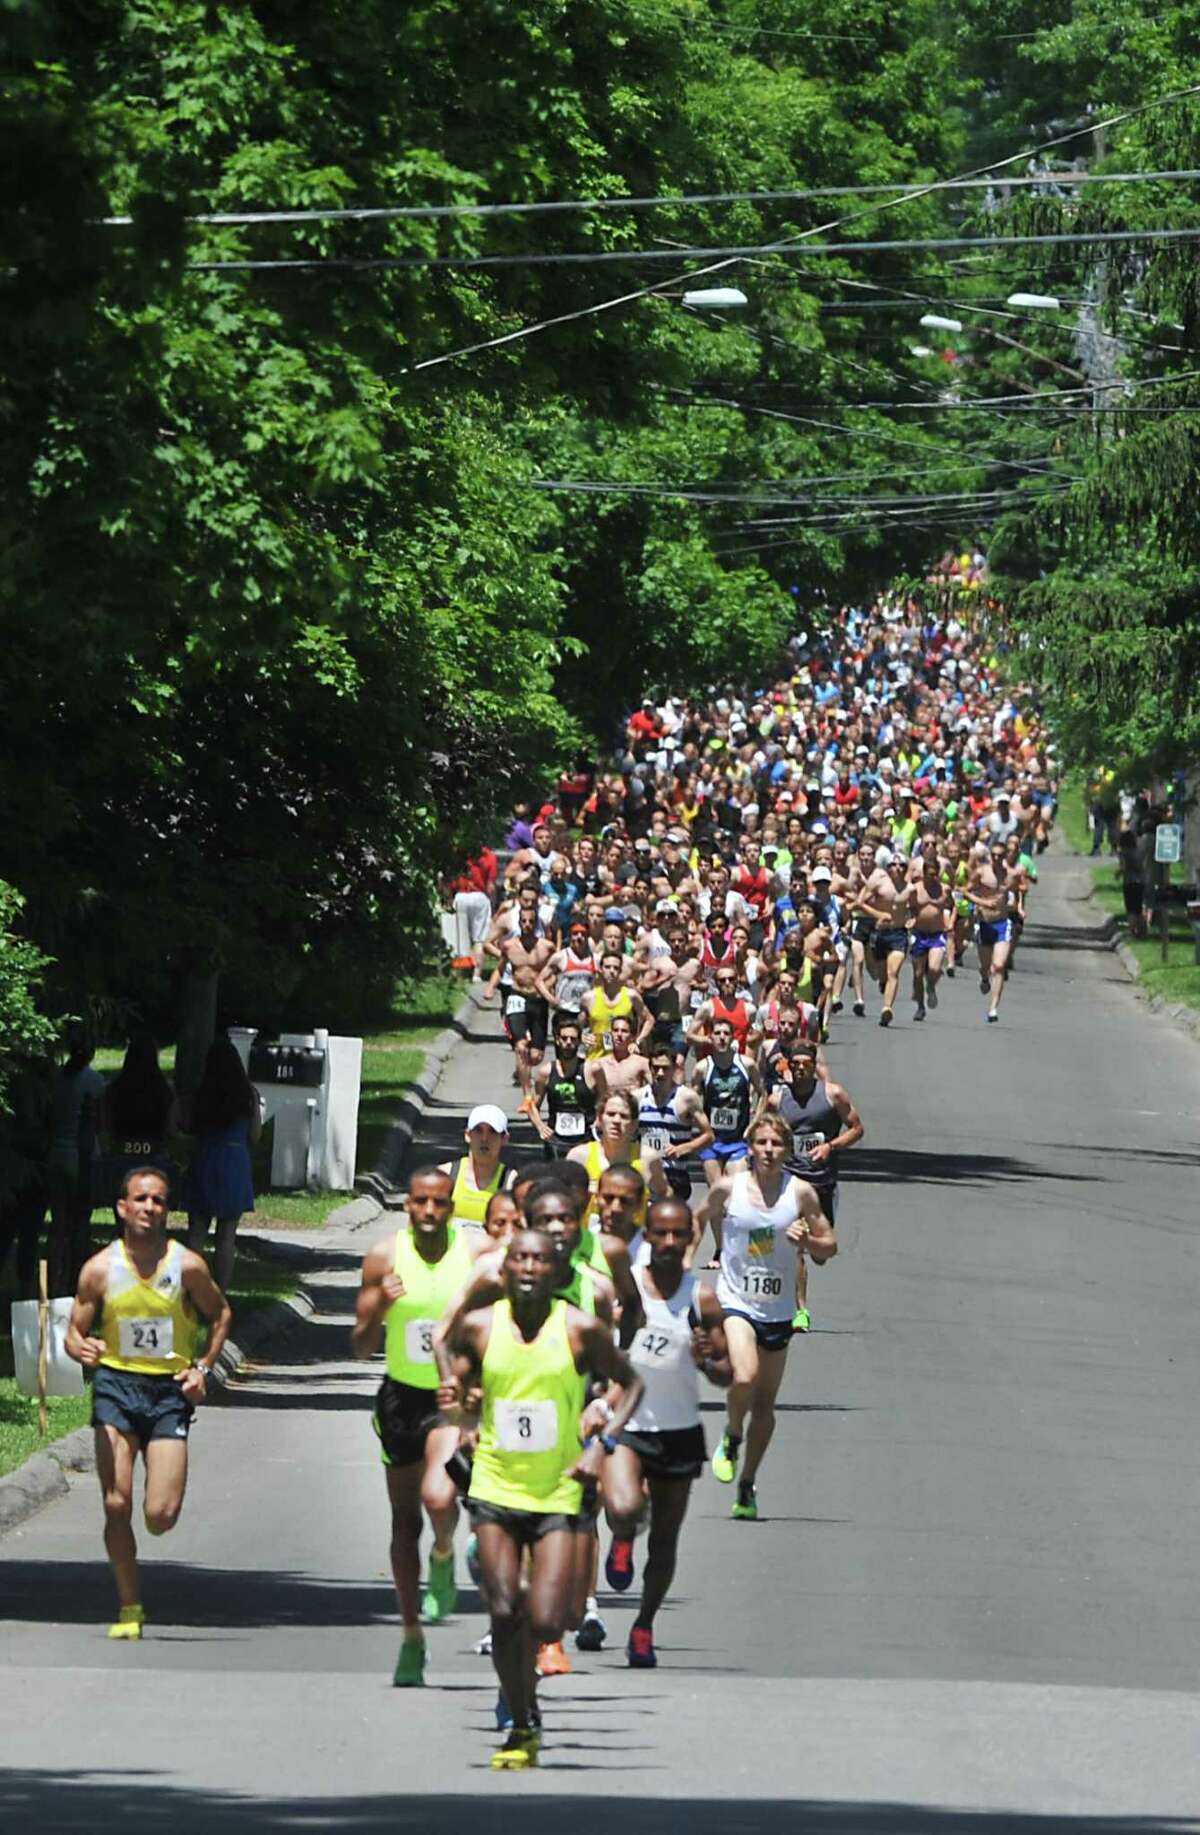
[611,999]
[530,1354]
[408,1280]
[137,1321]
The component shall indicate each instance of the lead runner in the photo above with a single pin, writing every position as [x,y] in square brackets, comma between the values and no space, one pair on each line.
[530,1354]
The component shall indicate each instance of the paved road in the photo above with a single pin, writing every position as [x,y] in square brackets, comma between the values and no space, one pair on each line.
[974,1604]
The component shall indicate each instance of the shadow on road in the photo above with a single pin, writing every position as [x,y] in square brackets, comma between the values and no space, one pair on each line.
[885,1165]
[186,1593]
[1096,937]
[146,1804]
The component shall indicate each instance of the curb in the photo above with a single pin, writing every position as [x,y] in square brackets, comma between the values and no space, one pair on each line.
[1185,1019]
[380,1184]
[43,1477]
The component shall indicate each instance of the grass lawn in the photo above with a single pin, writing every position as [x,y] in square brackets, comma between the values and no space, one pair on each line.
[1178,979]
[256,1282]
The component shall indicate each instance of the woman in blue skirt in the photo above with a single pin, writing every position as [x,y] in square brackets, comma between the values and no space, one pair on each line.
[225,1120]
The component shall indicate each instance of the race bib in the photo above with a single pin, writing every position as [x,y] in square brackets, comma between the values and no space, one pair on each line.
[726,1119]
[606,1040]
[762,1284]
[656,1140]
[569,1124]
[696,999]
[514,1004]
[418,1341]
[526,1427]
[652,1347]
[146,1337]
[803,1144]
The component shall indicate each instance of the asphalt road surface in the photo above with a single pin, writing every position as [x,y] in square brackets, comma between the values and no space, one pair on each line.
[972,1604]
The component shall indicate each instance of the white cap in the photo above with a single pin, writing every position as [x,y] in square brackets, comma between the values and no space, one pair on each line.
[883,856]
[820,873]
[487,1113]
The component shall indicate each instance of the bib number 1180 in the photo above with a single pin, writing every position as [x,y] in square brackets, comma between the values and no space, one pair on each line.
[762,1284]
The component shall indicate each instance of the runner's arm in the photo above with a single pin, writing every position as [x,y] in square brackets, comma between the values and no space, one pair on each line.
[89,1300]
[481,1288]
[215,1310]
[691,1109]
[812,1230]
[709,1349]
[543,984]
[373,1300]
[596,1353]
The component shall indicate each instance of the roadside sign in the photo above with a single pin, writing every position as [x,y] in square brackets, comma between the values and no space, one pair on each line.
[1168,843]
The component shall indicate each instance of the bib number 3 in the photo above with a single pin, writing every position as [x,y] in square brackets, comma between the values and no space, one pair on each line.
[526,1427]
[418,1341]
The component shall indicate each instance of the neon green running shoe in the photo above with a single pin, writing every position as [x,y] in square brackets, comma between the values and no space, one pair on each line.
[519,1751]
[746,1507]
[410,1664]
[724,1460]
[441,1594]
[800,1319]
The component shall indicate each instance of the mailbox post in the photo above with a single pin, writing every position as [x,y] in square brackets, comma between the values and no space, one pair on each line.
[309,1084]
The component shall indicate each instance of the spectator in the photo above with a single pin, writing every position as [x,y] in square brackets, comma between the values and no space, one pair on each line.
[77,1092]
[139,1114]
[225,1119]
[1133,888]
[25,1131]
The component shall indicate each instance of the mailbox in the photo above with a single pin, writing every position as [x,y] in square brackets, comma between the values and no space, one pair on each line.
[309,1085]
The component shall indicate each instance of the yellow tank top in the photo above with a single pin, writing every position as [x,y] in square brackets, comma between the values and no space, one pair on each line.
[429,1288]
[597,1162]
[470,1204]
[148,1326]
[529,1427]
[602,1012]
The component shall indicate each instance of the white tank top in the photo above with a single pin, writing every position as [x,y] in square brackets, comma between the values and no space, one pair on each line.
[661,1353]
[758,1263]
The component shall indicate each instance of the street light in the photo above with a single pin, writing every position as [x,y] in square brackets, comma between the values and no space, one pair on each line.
[712,298]
[1037,301]
[933,321]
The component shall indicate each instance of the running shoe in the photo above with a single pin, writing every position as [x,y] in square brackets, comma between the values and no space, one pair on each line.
[484,1646]
[552,1660]
[951,971]
[441,1594]
[993,1016]
[931,996]
[473,1567]
[591,1633]
[519,1751]
[885,1018]
[835,1006]
[639,1651]
[800,1319]
[724,1460]
[746,1507]
[128,1627]
[984,984]
[618,1569]
[919,1014]
[410,1664]
[859,1009]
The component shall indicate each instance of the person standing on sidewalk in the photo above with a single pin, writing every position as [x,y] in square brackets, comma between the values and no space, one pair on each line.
[225,1118]
[408,1281]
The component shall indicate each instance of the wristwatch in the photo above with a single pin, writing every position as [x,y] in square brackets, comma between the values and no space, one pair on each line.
[204,1369]
[607,1442]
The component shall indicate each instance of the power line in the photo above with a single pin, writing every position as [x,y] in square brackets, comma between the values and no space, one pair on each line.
[607,257]
[390,213]
[597,307]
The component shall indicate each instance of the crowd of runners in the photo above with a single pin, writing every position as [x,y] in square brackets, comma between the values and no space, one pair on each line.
[675,940]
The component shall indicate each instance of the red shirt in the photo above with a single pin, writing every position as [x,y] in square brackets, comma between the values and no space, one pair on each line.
[644,726]
[755,888]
